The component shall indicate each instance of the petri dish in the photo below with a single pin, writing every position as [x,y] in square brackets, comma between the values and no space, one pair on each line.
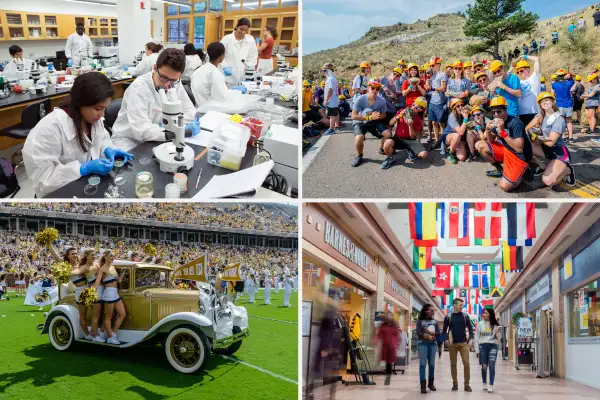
[119,163]
[94,180]
[145,160]
[120,180]
[90,189]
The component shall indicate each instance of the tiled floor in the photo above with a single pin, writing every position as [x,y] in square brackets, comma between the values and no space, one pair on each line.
[510,385]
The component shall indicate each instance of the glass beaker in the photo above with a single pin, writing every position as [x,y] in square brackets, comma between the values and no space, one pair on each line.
[144,185]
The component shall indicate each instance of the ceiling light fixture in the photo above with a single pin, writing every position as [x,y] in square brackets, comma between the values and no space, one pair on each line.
[93,3]
[173,3]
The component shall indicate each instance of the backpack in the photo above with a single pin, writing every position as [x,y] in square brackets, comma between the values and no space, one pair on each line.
[9,186]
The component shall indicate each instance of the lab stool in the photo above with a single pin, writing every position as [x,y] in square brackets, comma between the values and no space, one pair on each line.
[31,115]
[111,114]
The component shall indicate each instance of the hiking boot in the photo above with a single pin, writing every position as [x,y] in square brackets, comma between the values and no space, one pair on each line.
[410,155]
[387,380]
[357,161]
[570,179]
[455,387]
[452,158]
[387,162]
[423,387]
[468,388]
[381,151]
[430,385]
[494,174]
[329,131]
[471,158]
[437,145]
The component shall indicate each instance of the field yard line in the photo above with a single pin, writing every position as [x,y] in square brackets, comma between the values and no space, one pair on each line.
[312,153]
[260,369]
[273,319]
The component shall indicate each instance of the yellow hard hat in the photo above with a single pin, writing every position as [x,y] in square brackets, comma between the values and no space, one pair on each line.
[448,66]
[468,64]
[322,83]
[412,65]
[578,77]
[479,75]
[591,77]
[543,79]
[342,97]
[498,101]
[375,82]
[401,62]
[495,65]
[365,64]
[457,64]
[598,67]
[478,63]
[561,72]
[454,102]
[545,95]
[421,102]
[328,66]
[306,83]
[477,108]
[553,76]
[398,70]
[522,64]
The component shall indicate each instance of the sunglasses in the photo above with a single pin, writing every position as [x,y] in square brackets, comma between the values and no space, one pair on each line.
[457,68]
[520,71]
[397,75]
[477,114]
[498,71]
[497,111]
[482,80]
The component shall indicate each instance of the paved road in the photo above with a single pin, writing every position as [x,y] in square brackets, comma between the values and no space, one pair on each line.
[328,174]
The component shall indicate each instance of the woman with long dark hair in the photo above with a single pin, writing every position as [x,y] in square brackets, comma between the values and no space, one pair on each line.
[240,52]
[192,61]
[428,331]
[264,47]
[487,336]
[66,145]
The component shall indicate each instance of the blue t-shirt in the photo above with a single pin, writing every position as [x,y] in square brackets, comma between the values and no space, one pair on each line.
[553,123]
[362,106]
[512,81]
[562,90]
[572,28]
[593,101]
[436,83]
[457,85]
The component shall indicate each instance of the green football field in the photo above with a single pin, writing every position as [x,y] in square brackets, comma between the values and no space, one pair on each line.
[265,367]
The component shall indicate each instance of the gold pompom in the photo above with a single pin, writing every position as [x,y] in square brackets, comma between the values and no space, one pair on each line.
[149,249]
[62,272]
[88,296]
[10,270]
[170,264]
[183,286]
[31,272]
[47,236]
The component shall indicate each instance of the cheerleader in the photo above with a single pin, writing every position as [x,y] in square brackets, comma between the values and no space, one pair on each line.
[251,288]
[3,288]
[108,275]
[78,278]
[267,275]
[287,290]
[20,285]
[91,270]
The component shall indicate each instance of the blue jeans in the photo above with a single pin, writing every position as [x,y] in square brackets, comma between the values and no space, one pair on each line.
[487,357]
[427,356]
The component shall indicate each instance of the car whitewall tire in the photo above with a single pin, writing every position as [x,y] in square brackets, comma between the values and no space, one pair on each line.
[186,349]
[61,332]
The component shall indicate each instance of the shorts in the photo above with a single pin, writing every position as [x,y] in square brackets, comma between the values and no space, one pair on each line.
[560,153]
[526,118]
[332,112]
[375,128]
[438,113]
[596,23]
[514,167]
[388,117]
[566,111]
[448,131]
[110,295]
[413,144]
[577,104]
[312,116]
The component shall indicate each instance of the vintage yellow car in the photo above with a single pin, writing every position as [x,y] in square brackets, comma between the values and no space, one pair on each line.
[190,324]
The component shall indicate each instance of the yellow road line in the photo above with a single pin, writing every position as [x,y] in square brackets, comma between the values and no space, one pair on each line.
[583,190]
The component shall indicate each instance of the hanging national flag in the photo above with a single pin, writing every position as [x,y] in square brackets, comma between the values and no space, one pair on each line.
[421,259]
[464,294]
[443,302]
[512,257]
[497,292]
[488,220]
[488,302]
[492,270]
[311,274]
[474,294]
[423,226]
[486,242]
[459,276]
[520,224]
[453,223]
[442,276]
[479,278]
[438,292]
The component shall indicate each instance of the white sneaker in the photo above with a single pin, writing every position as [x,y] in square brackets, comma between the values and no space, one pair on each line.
[114,335]
[113,340]
[490,389]
[99,339]
[485,387]
[102,334]
[89,337]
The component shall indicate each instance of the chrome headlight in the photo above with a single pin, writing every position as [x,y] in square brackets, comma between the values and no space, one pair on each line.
[201,308]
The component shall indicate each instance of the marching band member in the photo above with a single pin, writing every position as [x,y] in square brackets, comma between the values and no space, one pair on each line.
[295,278]
[287,290]
[251,288]
[267,285]
[276,283]
[111,299]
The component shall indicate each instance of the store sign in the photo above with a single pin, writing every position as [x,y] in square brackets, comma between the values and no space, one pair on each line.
[345,247]
[399,289]
[525,328]
[540,288]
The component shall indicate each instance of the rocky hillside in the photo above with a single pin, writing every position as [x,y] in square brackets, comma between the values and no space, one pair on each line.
[439,35]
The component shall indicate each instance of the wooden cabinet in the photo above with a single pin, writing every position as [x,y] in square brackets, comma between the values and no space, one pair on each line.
[285,24]
[18,25]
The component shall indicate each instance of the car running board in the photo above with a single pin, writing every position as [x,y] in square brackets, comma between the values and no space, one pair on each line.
[101,343]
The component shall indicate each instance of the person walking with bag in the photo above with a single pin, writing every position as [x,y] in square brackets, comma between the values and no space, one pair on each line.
[487,336]
[388,334]
[427,333]
[455,326]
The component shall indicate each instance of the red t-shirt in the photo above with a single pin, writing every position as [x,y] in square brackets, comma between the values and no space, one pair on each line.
[266,53]
[413,94]
[402,127]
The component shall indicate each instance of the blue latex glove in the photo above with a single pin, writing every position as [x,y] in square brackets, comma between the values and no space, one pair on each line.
[258,40]
[111,153]
[70,63]
[100,167]
[125,67]
[227,71]
[241,88]
[525,57]
[194,126]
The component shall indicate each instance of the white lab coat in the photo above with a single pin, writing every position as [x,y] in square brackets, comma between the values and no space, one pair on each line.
[78,47]
[141,111]
[52,154]
[192,63]
[235,52]
[211,93]
[11,71]
[145,66]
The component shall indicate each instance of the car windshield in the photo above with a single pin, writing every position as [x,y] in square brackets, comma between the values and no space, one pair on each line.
[150,278]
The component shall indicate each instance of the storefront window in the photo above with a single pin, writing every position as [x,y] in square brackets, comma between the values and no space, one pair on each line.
[584,316]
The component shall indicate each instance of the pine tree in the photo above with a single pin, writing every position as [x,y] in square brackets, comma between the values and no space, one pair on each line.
[496,21]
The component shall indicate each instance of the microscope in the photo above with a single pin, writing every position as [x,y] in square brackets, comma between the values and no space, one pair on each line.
[173,156]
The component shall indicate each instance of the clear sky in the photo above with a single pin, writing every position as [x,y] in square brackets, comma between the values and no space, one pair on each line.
[331,23]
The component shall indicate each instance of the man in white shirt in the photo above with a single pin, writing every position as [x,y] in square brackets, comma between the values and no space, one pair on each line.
[11,69]
[78,46]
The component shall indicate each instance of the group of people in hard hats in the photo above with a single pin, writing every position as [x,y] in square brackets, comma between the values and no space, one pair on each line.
[509,115]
